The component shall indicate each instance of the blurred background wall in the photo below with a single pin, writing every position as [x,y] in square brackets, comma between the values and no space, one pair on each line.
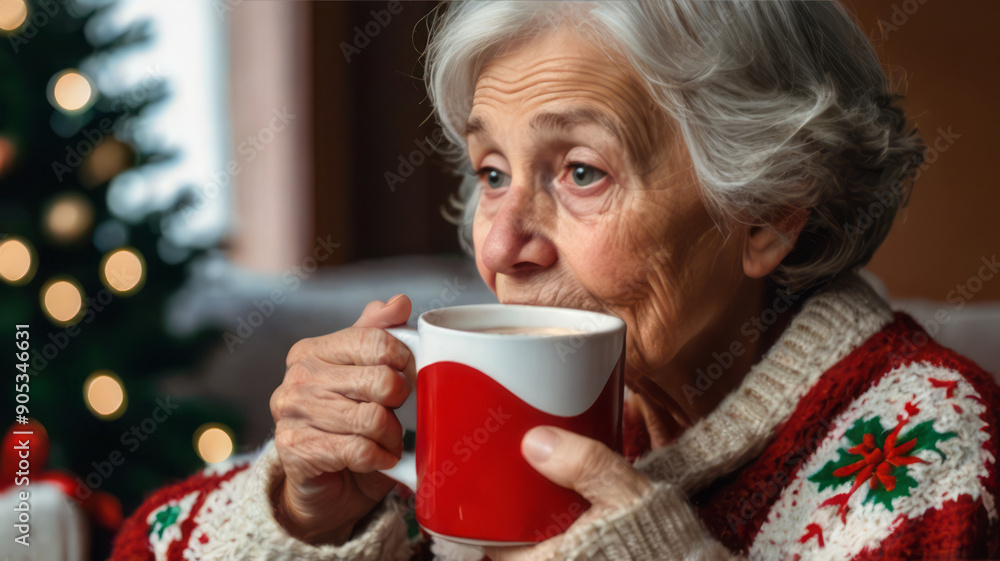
[943,54]
[369,110]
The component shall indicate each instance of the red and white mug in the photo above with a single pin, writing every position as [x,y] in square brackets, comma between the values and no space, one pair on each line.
[479,392]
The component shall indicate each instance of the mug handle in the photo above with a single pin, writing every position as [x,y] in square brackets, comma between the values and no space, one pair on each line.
[405,471]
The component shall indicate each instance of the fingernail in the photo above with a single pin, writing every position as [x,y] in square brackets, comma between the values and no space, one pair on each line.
[539,443]
[393,299]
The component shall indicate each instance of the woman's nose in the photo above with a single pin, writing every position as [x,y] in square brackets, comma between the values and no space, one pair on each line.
[514,243]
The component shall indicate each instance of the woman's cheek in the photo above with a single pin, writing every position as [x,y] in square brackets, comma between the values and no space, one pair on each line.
[601,267]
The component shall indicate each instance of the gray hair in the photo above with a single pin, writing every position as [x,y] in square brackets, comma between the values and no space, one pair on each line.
[781,104]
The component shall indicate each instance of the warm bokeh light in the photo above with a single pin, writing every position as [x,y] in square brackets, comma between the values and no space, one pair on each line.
[72,91]
[16,262]
[12,14]
[213,442]
[110,158]
[62,300]
[7,153]
[123,271]
[104,394]
[69,217]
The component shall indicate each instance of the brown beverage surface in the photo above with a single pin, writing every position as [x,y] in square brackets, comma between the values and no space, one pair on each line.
[529,330]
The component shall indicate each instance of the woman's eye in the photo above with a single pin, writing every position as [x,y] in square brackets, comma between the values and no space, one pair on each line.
[584,175]
[494,178]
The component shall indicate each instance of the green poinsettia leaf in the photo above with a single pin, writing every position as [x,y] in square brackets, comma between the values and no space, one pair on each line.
[902,489]
[861,427]
[164,519]
[927,437]
[824,477]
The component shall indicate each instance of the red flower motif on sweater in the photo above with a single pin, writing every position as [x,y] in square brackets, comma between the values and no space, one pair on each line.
[878,457]
[876,463]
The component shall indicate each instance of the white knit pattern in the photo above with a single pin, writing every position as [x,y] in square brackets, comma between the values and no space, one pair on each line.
[938,480]
[160,543]
[218,508]
[252,532]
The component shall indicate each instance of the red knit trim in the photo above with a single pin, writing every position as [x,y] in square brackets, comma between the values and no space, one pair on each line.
[735,507]
[958,530]
[132,541]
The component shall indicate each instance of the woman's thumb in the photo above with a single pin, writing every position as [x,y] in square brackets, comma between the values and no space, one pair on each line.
[386,314]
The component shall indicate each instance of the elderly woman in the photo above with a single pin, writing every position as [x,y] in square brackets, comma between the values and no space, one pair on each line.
[713,173]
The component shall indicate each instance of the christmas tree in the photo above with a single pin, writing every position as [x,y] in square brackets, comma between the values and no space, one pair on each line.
[88,287]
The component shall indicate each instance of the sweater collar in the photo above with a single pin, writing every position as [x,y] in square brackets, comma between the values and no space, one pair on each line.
[830,324]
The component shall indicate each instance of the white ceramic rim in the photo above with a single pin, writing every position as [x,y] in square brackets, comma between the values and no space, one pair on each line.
[460,319]
[470,541]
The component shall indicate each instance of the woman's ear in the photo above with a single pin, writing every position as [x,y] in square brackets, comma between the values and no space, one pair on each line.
[767,246]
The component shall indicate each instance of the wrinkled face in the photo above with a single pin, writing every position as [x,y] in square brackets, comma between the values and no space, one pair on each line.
[587,199]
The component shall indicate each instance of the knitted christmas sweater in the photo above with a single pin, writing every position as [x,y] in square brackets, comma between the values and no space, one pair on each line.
[855,437]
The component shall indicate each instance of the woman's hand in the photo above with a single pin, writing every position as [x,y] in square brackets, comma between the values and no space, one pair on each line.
[335,426]
[588,467]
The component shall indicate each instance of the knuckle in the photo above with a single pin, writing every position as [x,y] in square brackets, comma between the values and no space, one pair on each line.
[373,344]
[299,350]
[364,453]
[276,403]
[593,461]
[369,417]
[285,439]
[379,382]
[297,373]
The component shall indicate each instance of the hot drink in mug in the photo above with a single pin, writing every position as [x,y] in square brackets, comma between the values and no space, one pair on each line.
[486,375]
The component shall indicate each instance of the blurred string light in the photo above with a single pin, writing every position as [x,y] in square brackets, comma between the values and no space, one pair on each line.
[7,152]
[71,92]
[12,14]
[109,158]
[123,271]
[17,261]
[213,442]
[104,394]
[68,217]
[62,300]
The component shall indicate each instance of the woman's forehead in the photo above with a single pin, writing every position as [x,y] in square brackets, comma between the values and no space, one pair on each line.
[561,77]
[562,55]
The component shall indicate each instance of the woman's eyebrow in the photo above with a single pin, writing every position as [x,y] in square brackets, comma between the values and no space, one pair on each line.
[561,121]
[569,119]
